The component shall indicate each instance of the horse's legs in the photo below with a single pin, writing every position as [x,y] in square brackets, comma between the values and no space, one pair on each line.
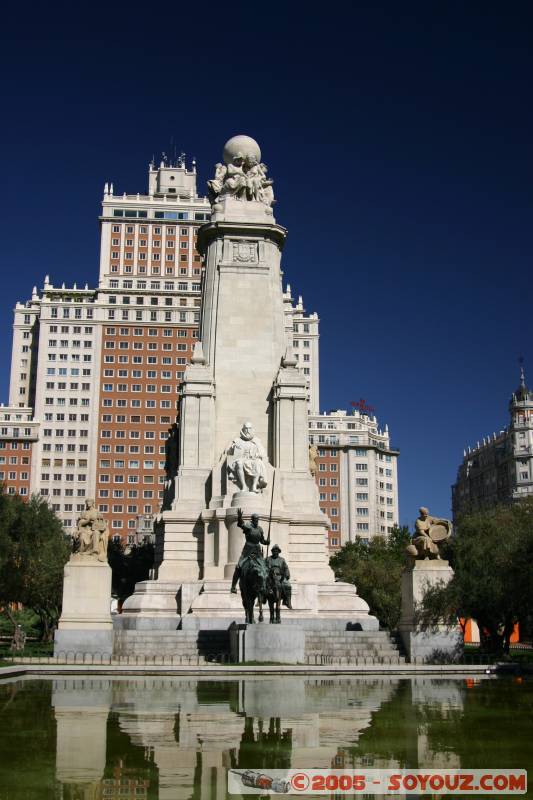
[260,609]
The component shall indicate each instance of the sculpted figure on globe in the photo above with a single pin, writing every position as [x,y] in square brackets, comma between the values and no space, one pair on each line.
[242,175]
[429,533]
[246,461]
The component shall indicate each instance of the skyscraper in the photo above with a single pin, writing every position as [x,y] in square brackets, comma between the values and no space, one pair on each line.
[101,367]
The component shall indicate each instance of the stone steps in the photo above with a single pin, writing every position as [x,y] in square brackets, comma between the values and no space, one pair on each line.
[321,647]
[170,643]
[356,647]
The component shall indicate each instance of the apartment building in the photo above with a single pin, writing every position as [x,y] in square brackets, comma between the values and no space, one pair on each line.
[357,474]
[499,469]
[18,434]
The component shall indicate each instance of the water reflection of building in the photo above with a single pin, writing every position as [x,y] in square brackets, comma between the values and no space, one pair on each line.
[188,733]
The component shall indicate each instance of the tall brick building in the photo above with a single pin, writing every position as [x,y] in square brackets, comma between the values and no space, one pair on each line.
[100,368]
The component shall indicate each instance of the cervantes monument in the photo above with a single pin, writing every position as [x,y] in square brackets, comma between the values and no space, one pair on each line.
[243,434]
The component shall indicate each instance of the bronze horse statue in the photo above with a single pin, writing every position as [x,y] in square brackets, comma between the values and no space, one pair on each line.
[252,586]
[274,594]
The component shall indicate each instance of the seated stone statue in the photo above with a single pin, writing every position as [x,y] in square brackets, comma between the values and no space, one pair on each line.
[429,531]
[246,461]
[92,533]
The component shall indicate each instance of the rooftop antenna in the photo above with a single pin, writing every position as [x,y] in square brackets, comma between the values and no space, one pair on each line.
[173,151]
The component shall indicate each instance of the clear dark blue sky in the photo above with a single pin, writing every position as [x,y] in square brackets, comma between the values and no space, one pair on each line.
[399,137]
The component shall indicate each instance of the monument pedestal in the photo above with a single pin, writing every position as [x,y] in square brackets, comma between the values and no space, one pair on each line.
[243,434]
[281,644]
[85,625]
[421,646]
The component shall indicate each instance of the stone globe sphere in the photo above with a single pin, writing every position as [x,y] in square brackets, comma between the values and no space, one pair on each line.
[240,146]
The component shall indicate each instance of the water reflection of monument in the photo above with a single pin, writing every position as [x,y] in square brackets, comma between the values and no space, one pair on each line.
[193,731]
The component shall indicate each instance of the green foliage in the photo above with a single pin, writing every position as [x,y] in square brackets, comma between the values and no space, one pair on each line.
[129,565]
[492,556]
[33,552]
[25,617]
[375,567]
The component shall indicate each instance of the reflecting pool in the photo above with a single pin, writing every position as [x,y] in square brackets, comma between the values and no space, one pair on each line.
[83,738]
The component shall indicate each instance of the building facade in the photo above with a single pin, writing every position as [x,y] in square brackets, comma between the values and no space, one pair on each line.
[18,435]
[500,468]
[97,372]
[357,475]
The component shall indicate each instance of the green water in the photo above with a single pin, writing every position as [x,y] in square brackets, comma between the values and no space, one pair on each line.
[170,738]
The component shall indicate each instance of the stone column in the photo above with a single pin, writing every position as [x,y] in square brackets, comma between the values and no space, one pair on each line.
[243,330]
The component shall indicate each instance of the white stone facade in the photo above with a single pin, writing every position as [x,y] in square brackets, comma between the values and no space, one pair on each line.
[18,434]
[357,475]
[302,331]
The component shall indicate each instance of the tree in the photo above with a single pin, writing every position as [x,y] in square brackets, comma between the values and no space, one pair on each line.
[129,566]
[33,553]
[492,557]
[375,567]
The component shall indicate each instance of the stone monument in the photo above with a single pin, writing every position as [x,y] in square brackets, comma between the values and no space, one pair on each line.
[426,568]
[243,437]
[85,625]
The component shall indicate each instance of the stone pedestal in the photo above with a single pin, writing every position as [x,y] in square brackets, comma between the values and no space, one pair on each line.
[281,644]
[85,625]
[243,381]
[421,646]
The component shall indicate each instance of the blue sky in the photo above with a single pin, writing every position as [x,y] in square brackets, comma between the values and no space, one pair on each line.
[399,138]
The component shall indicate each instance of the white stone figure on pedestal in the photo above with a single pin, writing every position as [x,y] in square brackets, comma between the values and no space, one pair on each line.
[92,533]
[85,625]
[246,461]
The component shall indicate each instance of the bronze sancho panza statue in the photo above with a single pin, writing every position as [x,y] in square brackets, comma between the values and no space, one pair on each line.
[279,589]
